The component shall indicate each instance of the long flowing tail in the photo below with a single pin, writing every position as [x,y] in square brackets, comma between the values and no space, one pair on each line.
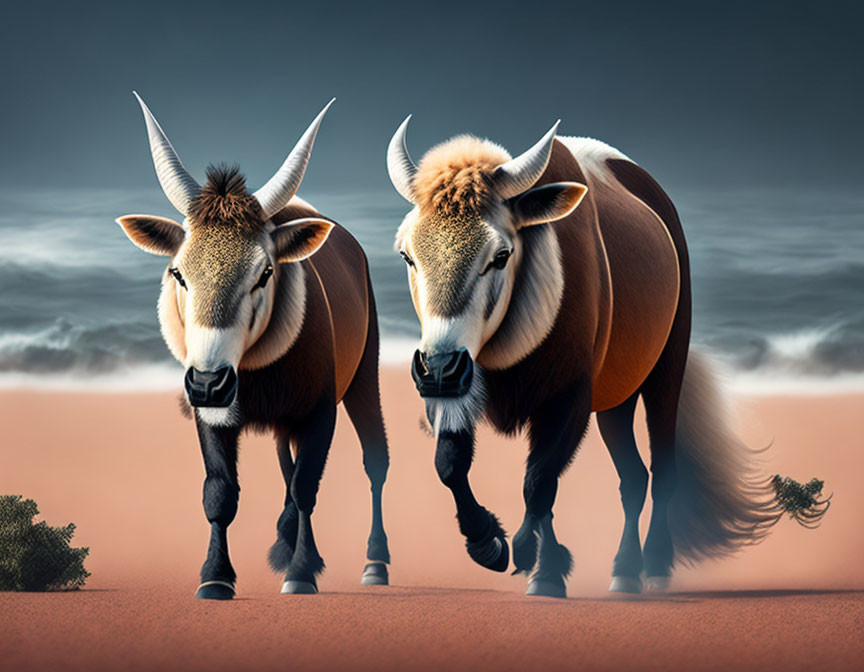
[721,503]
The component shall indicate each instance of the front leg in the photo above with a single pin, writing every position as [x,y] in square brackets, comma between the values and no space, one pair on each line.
[557,428]
[221,492]
[313,445]
[485,540]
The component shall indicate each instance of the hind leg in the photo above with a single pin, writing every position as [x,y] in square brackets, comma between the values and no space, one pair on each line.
[616,428]
[363,404]
[286,527]
[313,445]
[556,430]
[660,394]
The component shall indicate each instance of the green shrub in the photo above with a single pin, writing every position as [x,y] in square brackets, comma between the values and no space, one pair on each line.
[34,556]
[802,501]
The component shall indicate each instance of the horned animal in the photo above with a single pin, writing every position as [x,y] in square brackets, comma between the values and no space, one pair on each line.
[269,306]
[549,286]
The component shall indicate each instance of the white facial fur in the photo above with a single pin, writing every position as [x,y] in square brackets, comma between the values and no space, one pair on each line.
[475,324]
[208,347]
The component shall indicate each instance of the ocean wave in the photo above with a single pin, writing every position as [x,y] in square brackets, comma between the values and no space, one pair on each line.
[778,285]
[63,348]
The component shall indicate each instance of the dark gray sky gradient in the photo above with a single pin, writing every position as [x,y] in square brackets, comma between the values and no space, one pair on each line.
[700,93]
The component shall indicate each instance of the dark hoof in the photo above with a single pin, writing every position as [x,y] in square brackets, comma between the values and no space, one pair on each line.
[375,574]
[491,550]
[631,585]
[492,553]
[546,588]
[299,588]
[215,590]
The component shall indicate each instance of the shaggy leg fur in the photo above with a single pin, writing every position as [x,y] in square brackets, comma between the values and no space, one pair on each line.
[313,445]
[557,427]
[485,541]
[616,427]
[363,403]
[221,492]
[554,563]
[286,527]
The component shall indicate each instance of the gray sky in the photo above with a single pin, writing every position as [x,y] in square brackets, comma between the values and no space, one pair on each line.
[727,93]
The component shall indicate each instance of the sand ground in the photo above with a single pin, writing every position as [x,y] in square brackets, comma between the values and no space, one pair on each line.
[127,470]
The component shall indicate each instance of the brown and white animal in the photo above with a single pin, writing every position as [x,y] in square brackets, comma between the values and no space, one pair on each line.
[272,338]
[548,286]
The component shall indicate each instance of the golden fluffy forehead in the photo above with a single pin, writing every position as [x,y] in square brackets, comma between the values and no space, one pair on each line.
[454,178]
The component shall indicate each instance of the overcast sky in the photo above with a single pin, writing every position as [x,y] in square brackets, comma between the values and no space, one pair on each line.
[700,93]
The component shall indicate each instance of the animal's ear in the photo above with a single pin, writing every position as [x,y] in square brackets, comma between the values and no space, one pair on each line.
[547,203]
[299,239]
[156,235]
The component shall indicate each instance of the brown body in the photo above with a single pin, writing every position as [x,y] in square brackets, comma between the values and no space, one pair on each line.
[573,298]
[564,274]
[622,284]
[335,287]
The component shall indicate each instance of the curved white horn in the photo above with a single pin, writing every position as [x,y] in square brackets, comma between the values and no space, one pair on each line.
[179,186]
[399,163]
[281,188]
[519,174]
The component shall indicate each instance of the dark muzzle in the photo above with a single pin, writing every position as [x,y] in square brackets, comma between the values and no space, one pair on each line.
[211,388]
[446,375]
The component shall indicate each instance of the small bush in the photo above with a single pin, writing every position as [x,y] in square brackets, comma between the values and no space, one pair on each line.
[34,556]
[802,501]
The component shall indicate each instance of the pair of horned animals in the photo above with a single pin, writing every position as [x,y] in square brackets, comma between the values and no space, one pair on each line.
[548,286]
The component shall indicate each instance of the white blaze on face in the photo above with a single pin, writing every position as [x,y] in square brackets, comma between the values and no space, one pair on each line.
[209,349]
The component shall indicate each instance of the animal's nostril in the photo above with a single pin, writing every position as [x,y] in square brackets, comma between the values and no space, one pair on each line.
[451,368]
[460,366]
[442,375]
[419,370]
[211,388]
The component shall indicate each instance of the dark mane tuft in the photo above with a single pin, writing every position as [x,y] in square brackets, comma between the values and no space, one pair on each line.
[224,180]
[224,200]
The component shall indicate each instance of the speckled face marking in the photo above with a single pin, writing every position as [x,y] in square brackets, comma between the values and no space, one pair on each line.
[446,249]
[215,264]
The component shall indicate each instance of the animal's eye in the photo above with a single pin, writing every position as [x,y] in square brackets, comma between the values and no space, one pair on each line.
[179,278]
[408,260]
[499,261]
[265,276]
